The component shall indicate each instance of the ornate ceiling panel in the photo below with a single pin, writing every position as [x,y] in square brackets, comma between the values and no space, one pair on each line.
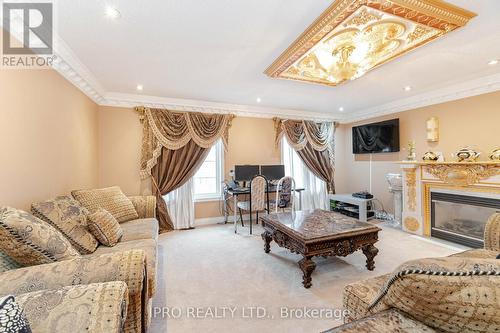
[353,37]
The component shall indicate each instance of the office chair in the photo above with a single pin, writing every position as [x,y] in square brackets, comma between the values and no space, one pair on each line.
[285,192]
[259,198]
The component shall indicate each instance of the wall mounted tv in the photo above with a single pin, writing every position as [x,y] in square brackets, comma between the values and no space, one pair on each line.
[382,137]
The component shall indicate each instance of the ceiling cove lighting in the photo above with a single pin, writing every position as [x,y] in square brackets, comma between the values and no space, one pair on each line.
[353,37]
[112,13]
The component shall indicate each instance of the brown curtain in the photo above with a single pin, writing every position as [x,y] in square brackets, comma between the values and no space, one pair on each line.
[319,164]
[174,168]
[174,146]
[314,143]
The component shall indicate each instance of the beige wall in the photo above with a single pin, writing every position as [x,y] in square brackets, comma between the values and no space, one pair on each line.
[251,141]
[472,121]
[48,137]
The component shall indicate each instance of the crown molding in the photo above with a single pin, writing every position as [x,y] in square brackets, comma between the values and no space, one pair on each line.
[451,92]
[178,104]
[69,66]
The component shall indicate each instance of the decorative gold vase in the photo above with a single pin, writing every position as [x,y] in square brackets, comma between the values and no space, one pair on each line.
[467,155]
[495,155]
[430,156]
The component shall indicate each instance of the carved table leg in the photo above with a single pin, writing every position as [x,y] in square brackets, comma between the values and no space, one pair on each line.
[370,252]
[307,266]
[267,237]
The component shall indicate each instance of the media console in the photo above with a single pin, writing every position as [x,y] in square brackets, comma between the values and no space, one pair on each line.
[351,206]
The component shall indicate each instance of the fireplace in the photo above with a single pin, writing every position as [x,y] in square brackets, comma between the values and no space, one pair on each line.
[461,218]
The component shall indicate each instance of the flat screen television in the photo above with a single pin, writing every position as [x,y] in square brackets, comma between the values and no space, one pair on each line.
[382,137]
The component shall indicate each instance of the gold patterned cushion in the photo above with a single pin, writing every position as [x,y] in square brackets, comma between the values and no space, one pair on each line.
[111,199]
[359,295]
[452,294]
[492,233]
[105,227]
[384,322]
[31,241]
[93,308]
[69,217]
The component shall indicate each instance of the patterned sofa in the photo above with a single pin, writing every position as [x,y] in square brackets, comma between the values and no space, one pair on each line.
[366,315]
[109,290]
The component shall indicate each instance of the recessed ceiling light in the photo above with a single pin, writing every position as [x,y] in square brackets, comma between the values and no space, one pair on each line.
[140,87]
[341,109]
[493,62]
[259,100]
[113,13]
[407,88]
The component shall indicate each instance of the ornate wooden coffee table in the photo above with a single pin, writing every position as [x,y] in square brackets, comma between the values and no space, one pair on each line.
[319,233]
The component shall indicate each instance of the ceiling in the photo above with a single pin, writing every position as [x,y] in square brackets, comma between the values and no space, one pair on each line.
[215,51]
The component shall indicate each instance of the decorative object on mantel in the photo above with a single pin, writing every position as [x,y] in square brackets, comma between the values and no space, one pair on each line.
[430,156]
[313,142]
[467,155]
[352,37]
[463,174]
[432,129]
[495,155]
[412,155]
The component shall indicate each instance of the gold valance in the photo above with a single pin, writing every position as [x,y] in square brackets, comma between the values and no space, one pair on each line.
[173,130]
[301,132]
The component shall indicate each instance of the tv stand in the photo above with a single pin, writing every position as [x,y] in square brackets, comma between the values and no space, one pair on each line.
[354,207]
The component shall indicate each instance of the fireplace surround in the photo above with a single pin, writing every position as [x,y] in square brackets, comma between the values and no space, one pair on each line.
[422,179]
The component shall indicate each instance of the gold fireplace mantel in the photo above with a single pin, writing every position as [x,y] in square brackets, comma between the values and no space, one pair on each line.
[420,178]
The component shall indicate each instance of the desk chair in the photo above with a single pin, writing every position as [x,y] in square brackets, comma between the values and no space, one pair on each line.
[259,198]
[285,192]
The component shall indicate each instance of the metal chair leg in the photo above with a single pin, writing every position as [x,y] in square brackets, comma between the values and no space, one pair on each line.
[257,222]
[250,222]
[241,217]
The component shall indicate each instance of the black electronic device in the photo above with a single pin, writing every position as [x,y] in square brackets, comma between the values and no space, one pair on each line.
[273,172]
[363,195]
[245,172]
[382,137]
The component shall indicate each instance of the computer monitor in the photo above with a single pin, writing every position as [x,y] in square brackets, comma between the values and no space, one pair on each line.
[245,172]
[273,172]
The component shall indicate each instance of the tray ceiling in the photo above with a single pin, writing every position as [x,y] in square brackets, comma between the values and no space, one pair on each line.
[211,55]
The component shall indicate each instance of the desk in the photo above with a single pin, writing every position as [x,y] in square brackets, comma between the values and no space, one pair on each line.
[245,191]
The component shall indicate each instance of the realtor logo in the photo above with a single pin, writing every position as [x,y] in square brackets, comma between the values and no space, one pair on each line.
[27,34]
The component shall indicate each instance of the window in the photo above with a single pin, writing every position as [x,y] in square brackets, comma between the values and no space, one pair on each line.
[208,179]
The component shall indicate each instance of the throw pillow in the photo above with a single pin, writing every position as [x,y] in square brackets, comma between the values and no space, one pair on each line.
[69,217]
[12,319]
[452,294]
[111,199]
[105,227]
[31,241]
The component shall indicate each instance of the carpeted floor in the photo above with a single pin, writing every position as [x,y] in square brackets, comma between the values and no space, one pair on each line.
[209,270]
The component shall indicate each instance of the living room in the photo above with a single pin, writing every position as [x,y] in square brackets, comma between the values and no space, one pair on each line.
[250,166]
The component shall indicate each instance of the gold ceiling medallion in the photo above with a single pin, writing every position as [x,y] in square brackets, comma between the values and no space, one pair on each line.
[354,36]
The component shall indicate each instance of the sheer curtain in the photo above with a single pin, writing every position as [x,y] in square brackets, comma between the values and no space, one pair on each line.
[180,203]
[315,194]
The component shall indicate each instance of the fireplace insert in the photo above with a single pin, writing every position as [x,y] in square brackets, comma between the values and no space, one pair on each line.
[461,218]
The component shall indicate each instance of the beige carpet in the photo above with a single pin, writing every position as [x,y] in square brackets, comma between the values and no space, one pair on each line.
[211,267]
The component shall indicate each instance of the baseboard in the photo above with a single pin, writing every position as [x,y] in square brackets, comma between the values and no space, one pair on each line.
[218,219]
